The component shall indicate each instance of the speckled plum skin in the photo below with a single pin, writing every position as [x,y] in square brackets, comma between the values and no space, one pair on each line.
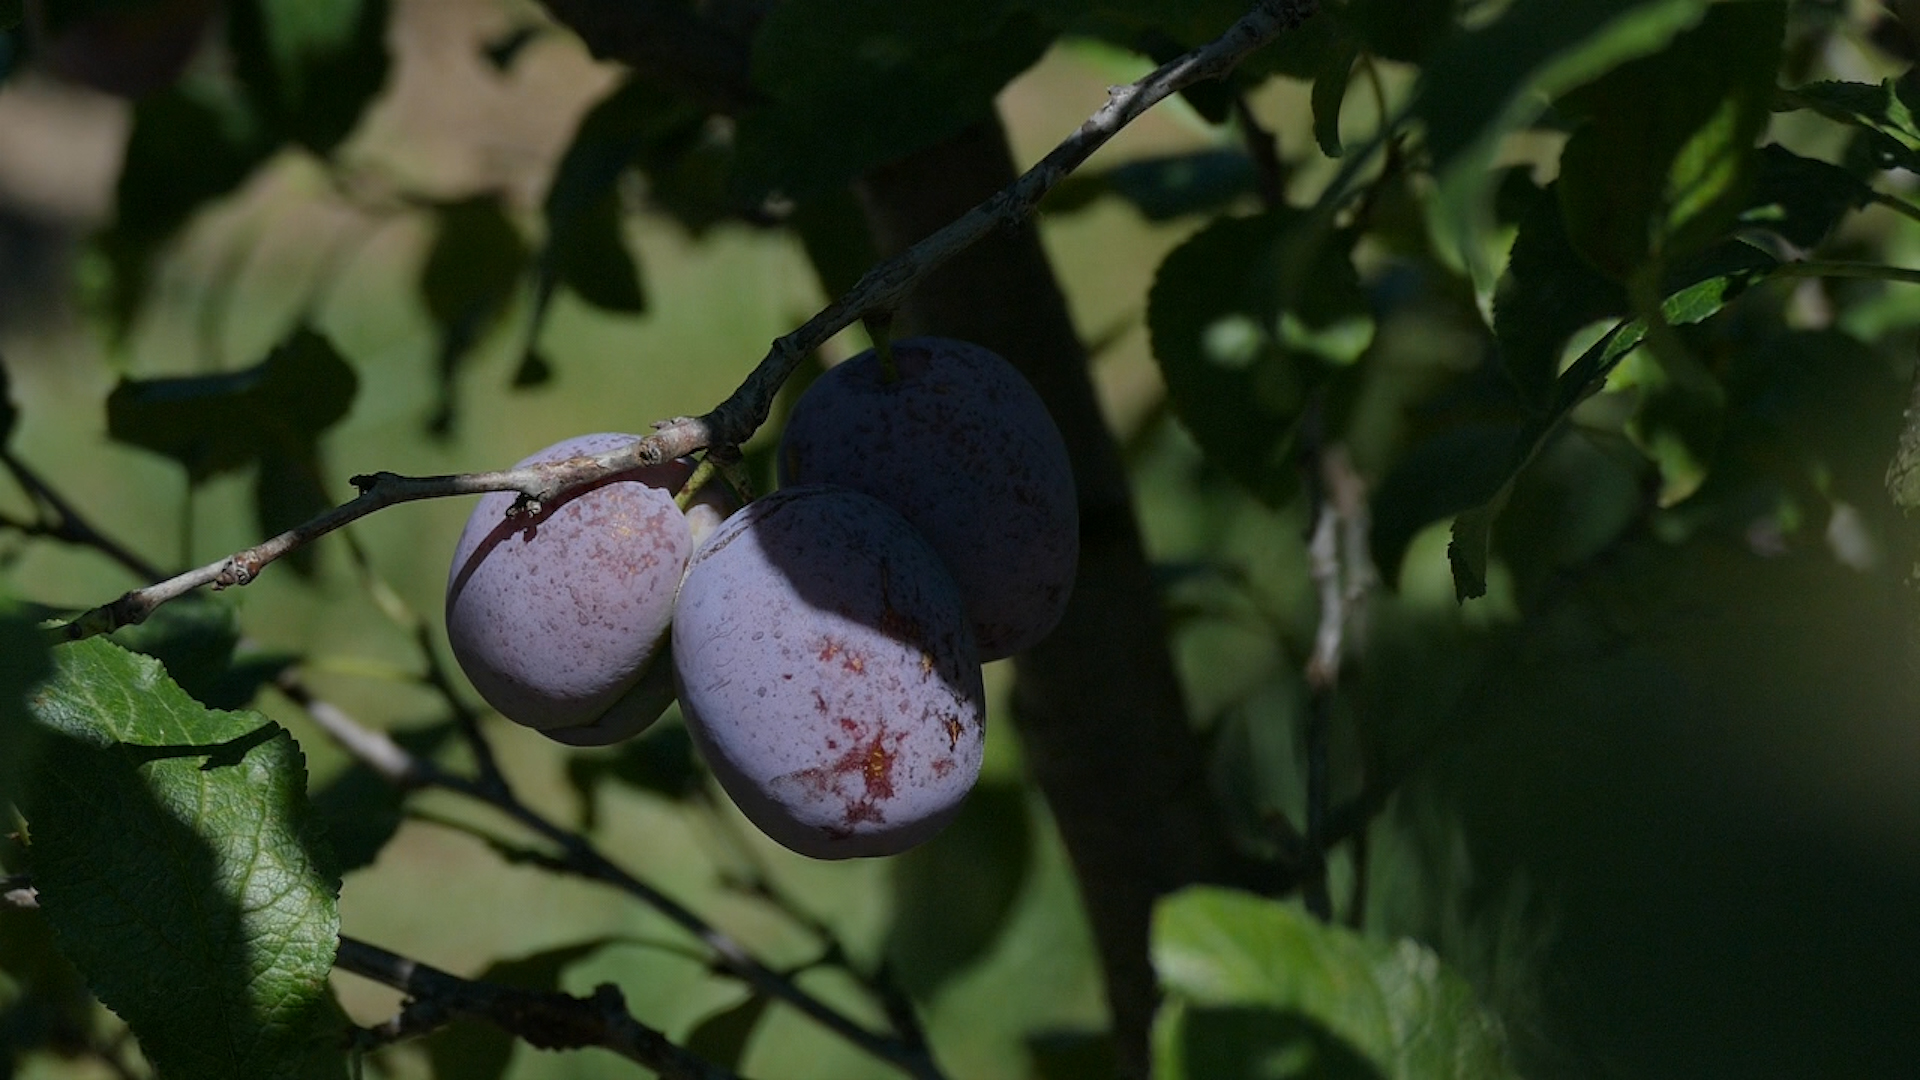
[560,620]
[828,675]
[963,448]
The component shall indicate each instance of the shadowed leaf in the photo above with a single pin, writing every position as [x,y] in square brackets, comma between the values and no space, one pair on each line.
[176,860]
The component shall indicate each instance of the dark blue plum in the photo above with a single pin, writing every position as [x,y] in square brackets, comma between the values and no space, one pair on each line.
[959,443]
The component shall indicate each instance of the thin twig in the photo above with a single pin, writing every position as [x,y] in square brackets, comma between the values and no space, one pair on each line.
[67,524]
[877,294]
[1344,575]
[547,1019]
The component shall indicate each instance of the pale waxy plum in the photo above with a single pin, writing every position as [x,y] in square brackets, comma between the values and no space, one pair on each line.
[959,443]
[560,619]
[827,673]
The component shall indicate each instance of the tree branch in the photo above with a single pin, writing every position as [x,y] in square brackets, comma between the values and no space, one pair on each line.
[546,1019]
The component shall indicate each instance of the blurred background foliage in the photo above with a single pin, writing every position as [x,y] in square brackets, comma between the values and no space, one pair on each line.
[1635,737]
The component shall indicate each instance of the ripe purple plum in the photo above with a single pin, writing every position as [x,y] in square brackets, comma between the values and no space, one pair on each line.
[827,673]
[561,619]
[959,443]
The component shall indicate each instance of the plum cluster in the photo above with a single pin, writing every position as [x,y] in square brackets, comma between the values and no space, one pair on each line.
[825,641]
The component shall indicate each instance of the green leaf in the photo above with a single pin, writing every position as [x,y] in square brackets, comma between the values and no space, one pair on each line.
[310,67]
[1330,92]
[1482,84]
[1451,472]
[1495,78]
[1247,318]
[1662,157]
[176,859]
[1885,113]
[1300,53]
[477,259]
[588,253]
[856,83]
[722,1038]
[1230,962]
[1695,291]
[1547,293]
[952,896]
[1800,199]
[219,423]
[23,663]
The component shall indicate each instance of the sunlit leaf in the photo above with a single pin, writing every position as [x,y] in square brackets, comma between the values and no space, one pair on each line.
[1695,291]
[1482,84]
[1252,981]
[177,862]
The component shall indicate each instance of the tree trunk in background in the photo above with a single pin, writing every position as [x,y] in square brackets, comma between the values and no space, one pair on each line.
[1097,704]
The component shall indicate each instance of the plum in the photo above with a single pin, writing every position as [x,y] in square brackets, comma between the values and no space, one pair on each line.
[958,442]
[827,673]
[561,619]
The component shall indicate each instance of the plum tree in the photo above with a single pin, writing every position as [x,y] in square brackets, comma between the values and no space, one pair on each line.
[828,674]
[561,619]
[951,436]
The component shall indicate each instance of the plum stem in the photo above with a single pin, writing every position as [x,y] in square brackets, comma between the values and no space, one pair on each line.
[880,329]
[702,473]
